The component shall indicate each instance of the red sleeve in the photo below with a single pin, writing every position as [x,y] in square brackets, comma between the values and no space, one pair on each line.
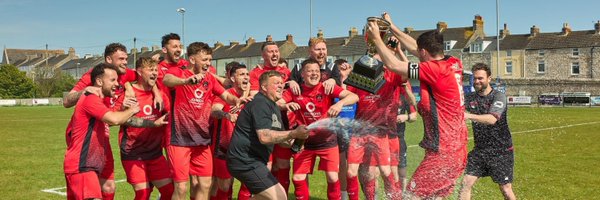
[176,71]
[427,73]
[129,76]
[254,80]
[397,79]
[287,95]
[217,87]
[336,91]
[84,81]
[94,106]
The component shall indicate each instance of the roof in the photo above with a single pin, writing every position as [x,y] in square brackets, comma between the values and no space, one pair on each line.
[509,42]
[586,38]
[84,63]
[19,54]
[245,50]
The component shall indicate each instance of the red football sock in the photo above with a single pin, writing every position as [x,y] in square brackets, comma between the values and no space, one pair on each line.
[244,193]
[221,195]
[301,189]
[333,190]
[143,194]
[166,191]
[352,187]
[283,176]
[369,189]
[392,189]
[108,196]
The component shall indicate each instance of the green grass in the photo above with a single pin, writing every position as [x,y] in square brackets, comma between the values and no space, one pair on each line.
[557,162]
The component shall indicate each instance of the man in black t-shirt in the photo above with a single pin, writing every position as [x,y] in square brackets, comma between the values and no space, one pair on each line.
[493,152]
[257,129]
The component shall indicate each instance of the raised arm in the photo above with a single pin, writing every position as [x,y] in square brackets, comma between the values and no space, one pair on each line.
[408,42]
[389,59]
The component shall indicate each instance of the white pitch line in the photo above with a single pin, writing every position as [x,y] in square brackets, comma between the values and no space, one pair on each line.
[57,190]
[536,130]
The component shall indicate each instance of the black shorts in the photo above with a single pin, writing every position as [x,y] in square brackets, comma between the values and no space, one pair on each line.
[403,148]
[256,180]
[498,166]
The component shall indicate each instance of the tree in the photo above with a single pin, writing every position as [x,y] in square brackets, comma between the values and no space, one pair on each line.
[52,82]
[14,83]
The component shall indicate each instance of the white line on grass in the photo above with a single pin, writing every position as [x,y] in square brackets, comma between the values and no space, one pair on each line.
[536,130]
[58,190]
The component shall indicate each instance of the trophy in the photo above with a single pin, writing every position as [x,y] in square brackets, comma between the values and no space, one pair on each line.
[367,73]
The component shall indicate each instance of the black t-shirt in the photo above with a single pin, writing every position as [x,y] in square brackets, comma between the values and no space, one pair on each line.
[245,150]
[494,138]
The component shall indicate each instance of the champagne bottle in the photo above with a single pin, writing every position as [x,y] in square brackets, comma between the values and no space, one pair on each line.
[297,145]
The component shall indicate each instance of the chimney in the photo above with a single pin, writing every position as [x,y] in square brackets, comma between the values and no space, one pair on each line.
[478,23]
[233,43]
[566,29]
[597,27]
[71,52]
[320,34]
[441,26]
[504,32]
[144,49]
[353,32]
[155,48]
[289,38]
[269,38]
[250,41]
[218,45]
[534,31]
[408,30]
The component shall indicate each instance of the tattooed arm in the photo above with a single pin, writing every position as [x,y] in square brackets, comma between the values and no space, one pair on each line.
[267,136]
[144,123]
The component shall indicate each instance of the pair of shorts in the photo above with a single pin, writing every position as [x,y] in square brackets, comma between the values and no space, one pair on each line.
[143,171]
[437,173]
[186,161]
[220,168]
[281,152]
[394,151]
[84,185]
[329,160]
[256,180]
[362,147]
[498,166]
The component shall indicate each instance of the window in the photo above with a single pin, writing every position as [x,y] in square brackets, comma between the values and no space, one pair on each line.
[575,68]
[575,52]
[508,53]
[448,45]
[476,48]
[509,67]
[541,52]
[541,67]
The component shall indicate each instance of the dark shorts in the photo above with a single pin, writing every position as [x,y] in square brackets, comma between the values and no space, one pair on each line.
[498,166]
[256,180]
[402,159]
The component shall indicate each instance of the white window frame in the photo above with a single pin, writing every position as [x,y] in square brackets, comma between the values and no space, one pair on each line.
[507,64]
[476,47]
[573,65]
[541,52]
[541,62]
[575,52]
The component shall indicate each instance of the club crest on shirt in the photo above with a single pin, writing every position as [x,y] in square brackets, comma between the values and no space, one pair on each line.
[205,85]
[319,97]
[276,123]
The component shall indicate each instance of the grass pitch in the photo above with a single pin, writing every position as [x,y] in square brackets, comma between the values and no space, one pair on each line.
[556,154]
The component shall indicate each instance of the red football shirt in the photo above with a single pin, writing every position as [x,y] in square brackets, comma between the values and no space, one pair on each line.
[163,67]
[256,72]
[87,136]
[442,105]
[227,126]
[86,80]
[379,109]
[142,143]
[314,104]
[190,109]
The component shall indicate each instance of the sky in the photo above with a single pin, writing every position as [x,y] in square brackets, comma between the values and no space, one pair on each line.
[88,26]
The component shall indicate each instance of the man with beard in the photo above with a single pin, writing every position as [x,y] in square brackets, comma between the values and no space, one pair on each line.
[441,107]
[330,72]
[115,54]
[312,105]
[227,115]
[172,50]
[493,152]
[141,138]
[87,136]
[192,91]
[258,128]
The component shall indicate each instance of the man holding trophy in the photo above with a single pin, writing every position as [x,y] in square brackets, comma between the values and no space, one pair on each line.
[375,86]
[441,106]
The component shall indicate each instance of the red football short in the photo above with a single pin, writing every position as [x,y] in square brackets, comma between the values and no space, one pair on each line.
[394,151]
[282,152]
[362,147]
[437,173]
[220,169]
[142,171]
[329,160]
[85,185]
[186,161]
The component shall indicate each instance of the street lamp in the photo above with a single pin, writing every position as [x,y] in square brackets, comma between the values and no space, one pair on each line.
[182,11]
[77,70]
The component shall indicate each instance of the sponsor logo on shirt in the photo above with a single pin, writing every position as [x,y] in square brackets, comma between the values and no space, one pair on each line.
[147,109]
[198,98]
[276,123]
